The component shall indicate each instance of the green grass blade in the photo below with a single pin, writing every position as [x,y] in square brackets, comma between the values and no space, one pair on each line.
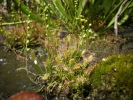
[123,19]
[13,23]
[131,5]
[27,11]
[112,21]
[126,6]
[61,9]
[81,7]
[41,2]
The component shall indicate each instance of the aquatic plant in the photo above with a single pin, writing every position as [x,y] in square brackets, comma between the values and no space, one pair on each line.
[112,78]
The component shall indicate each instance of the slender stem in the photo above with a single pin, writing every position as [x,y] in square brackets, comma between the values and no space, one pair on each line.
[116,19]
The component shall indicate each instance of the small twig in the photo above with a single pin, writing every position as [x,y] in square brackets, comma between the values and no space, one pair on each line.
[116,19]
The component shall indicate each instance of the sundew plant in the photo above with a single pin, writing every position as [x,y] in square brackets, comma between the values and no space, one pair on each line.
[66,67]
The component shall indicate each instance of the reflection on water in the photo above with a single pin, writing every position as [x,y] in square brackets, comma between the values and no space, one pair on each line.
[12,81]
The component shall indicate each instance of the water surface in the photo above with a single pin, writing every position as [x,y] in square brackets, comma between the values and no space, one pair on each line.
[11,80]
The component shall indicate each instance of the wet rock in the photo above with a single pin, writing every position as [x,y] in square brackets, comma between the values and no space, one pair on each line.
[26,96]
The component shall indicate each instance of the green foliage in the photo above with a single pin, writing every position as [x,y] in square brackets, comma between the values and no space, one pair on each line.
[125,13]
[70,9]
[1,1]
[101,13]
[95,11]
[67,12]
[27,11]
[114,75]
[74,14]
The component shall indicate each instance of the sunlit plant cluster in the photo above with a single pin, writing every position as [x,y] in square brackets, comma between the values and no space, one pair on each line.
[66,66]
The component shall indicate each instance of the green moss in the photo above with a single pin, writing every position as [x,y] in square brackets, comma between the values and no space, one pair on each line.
[114,75]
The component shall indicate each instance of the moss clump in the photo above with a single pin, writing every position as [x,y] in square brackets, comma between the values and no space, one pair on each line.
[113,78]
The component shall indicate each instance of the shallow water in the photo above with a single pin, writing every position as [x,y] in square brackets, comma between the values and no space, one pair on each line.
[11,80]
